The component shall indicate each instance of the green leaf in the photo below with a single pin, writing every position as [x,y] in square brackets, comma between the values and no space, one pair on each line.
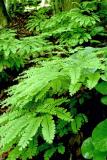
[49,153]
[61,149]
[74,126]
[99,155]
[81,100]
[104,100]
[102,88]
[87,148]
[48,128]
[99,136]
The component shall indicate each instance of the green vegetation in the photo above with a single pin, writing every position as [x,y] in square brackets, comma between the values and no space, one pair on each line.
[53,66]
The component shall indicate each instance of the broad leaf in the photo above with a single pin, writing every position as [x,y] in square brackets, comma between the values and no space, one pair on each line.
[87,148]
[61,149]
[99,155]
[104,100]
[99,136]
[102,88]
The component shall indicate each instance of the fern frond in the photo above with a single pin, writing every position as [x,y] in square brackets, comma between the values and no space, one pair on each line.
[14,154]
[78,121]
[7,147]
[59,85]
[62,127]
[73,88]
[48,128]
[50,104]
[75,74]
[36,83]
[5,117]
[63,114]
[49,153]
[12,129]
[9,116]
[61,148]
[24,154]
[29,132]
[30,151]
[43,147]
[70,27]
[14,53]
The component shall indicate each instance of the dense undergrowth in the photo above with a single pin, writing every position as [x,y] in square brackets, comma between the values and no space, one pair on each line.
[56,76]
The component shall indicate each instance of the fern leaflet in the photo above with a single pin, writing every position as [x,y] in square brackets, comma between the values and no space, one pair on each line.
[48,128]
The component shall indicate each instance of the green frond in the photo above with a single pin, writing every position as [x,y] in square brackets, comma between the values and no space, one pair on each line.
[75,74]
[24,154]
[61,148]
[30,151]
[43,147]
[7,147]
[63,114]
[15,53]
[37,83]
[29,132]
[42,104]
[62,127]
[49,153]
[12,129]
[14,154]
[35,93]
[59,85]
[78,121]
[73,88]
[9,116]
[71,28]
[49,105]
[48,128]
